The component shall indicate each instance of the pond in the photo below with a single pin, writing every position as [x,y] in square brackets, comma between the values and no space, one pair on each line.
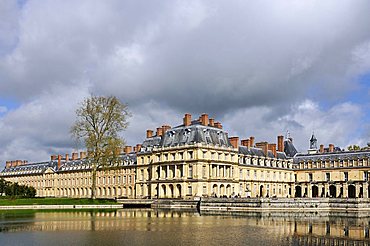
[168,227]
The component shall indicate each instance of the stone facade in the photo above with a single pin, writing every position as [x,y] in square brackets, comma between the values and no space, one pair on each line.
[199,159]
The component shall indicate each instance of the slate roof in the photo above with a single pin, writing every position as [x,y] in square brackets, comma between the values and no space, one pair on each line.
[181,135]
[41,167]
[253,151]
[289,148]
[340,155]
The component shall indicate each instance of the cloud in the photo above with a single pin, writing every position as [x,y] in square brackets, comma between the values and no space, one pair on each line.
[338,124]
[3,109]
[258,65]
[40,127]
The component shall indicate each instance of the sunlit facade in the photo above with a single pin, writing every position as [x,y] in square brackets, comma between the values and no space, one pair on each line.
[199,159]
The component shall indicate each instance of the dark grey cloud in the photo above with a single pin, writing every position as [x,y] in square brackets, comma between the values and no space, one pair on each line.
[249,63]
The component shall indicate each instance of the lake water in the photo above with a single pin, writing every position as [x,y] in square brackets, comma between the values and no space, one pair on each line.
[160,227]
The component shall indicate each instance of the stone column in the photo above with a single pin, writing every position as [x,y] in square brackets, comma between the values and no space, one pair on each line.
[365,190]
[345,190]
[168,172]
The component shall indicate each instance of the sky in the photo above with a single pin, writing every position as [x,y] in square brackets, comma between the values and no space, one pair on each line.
[260,67]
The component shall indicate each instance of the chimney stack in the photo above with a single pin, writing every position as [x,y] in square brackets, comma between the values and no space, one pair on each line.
[19,163]
[331,147]
[59,161]
[280,143]
[67,157]
[204,119]
[159,132]
[245,142]
[74,156]
[272,147]
[321,148]
[165,128]
[127,149]
[263,146]
[212,122]
[52,157]
[149,133]
[187,120]
[82,155]
[234,142]
[14,163]
[8,164]
[251,141]
[218,125]
[135,150]
[138,147]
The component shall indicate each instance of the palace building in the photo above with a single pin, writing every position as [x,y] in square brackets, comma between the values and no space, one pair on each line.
[198,159]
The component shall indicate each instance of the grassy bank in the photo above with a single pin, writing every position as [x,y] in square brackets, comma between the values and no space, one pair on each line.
[53,201]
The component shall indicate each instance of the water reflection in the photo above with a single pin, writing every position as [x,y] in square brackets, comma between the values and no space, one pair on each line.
[152,227]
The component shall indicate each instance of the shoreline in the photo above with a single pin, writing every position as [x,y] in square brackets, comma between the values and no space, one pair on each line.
[41,207]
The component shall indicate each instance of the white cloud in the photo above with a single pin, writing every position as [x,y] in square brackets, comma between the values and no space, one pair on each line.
[339,124]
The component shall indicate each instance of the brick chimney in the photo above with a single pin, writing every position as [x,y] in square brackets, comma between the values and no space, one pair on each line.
[8,164]
[67,157]
[59,161]
[82,155]
[218,125]
[234,141]
[321,148]
[245,142]
[251,141]
[165,128]
[263,146]
[331,147]
[135,150]
[149,133]
[13,163]
[280,143]
[127,149]
[204,119]
[272,147]
[187,120]
[74,156]
[19,162]
[138,147]
[212,122]
[159,132]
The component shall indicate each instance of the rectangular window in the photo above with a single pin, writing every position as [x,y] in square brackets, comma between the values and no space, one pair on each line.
[190,171]
[345,176]
[190,190]
[190,155]
[327,176]
[366,176]
[240,174]
[204,171]
[310,177]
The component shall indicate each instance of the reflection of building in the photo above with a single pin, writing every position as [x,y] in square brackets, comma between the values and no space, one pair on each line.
[331,172]
[196,158]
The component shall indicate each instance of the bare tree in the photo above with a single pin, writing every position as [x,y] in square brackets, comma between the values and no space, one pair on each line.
[98,124]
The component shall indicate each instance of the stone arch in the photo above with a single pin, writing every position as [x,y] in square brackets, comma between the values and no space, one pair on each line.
[228,190]
[222,190]
[351,191]
[178,187]
[332,191]
[114,194]
[171,191]
[129,191]
[163,191]
[215,189]
[298,191]
[109,192]
[315,191]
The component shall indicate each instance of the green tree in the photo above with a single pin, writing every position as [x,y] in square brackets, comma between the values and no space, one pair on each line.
[98,124]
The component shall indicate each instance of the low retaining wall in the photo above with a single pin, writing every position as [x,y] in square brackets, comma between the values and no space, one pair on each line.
[284,205]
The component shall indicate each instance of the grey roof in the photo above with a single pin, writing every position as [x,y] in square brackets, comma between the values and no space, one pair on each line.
[192,134]
[31,168]
[289,148]
[253,151]
[340,155]
[41,167]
